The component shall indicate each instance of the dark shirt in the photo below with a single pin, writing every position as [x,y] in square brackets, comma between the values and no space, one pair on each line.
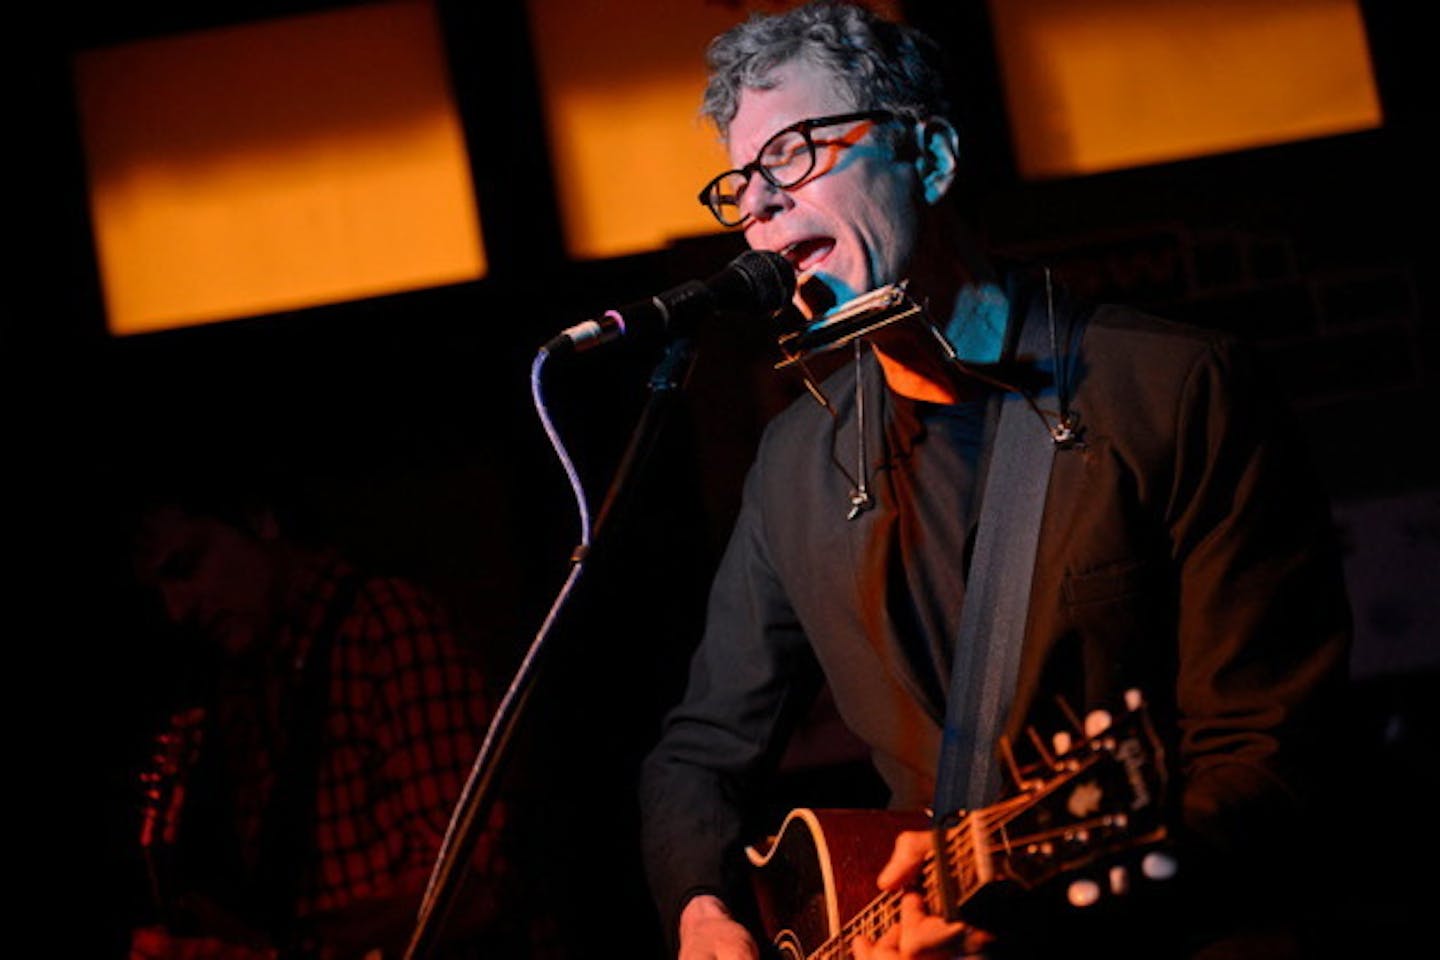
[932,483]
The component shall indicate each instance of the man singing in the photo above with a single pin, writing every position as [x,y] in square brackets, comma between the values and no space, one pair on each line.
[1181,550]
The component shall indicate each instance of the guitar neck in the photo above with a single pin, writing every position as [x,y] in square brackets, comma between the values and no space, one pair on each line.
[163,785]
[949,877]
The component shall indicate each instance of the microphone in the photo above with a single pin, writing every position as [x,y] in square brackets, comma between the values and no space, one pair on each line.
[757,282]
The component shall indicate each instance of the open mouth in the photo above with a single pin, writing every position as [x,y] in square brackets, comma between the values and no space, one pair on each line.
[806,254]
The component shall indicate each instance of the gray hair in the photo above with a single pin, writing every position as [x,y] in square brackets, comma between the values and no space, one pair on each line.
[883,65]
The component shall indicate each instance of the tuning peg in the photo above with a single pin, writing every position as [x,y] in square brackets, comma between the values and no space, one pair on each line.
[1069,712]
[1096,723]
[1083,893]
[1134,699]
[1061,741]
[1046,756]
[1119,880]
[1158,866]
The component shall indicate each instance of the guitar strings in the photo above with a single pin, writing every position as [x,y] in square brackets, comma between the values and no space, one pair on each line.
[883,912]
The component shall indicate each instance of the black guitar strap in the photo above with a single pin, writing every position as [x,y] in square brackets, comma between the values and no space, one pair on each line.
[997,589]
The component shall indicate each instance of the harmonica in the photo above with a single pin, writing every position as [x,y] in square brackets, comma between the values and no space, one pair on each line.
[855,318]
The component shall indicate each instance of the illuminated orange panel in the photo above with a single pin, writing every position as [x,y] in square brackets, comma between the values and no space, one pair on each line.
[267,167]
[622,82]
[1107,84]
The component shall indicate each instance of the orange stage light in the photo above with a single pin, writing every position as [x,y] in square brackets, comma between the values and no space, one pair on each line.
[621,82]
[273,166]
[1109,84]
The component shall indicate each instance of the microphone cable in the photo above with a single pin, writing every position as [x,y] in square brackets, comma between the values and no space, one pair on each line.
[463,820]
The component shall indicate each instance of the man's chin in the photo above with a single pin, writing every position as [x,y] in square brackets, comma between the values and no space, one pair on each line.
[817,294]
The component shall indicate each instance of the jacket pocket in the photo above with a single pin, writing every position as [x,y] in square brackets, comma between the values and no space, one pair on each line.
[1119,581]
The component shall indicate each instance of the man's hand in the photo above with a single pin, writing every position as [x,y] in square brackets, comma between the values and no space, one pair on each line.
[920,935]
[708,932]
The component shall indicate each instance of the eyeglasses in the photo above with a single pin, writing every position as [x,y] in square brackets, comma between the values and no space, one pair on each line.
[785,160]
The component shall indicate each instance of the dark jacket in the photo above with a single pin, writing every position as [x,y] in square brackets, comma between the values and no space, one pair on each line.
[1185,550]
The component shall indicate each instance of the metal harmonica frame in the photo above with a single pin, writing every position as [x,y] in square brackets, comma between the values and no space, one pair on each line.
[855,318]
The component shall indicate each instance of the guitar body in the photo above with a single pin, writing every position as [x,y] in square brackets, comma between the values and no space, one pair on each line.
[820,870]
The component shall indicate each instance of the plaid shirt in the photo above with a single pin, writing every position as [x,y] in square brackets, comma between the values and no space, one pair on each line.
[406,714]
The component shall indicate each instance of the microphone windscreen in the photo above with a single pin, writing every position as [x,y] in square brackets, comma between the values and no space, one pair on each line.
[763,282]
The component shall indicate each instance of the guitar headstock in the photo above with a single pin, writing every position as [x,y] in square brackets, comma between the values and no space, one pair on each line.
[1089,822]
[163,781]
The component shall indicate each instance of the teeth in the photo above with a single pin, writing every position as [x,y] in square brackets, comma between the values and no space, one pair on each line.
[792,251]
[805,251]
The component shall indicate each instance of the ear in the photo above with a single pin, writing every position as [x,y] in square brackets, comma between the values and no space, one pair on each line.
[937,157]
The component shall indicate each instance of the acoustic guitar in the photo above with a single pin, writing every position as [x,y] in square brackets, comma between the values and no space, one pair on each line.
[1085,824]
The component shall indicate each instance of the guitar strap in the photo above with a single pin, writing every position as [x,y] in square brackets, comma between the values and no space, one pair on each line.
[288,830]
[997,589]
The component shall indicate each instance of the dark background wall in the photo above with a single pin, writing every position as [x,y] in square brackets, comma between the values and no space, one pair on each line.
[407,422]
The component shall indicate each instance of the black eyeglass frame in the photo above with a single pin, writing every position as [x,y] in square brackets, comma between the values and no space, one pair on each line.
[804,128]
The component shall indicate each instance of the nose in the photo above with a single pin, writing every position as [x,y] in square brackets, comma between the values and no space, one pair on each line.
[762,200]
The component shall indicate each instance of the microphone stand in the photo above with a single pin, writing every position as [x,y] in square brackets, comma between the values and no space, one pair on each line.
[478,796]
[666,380]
